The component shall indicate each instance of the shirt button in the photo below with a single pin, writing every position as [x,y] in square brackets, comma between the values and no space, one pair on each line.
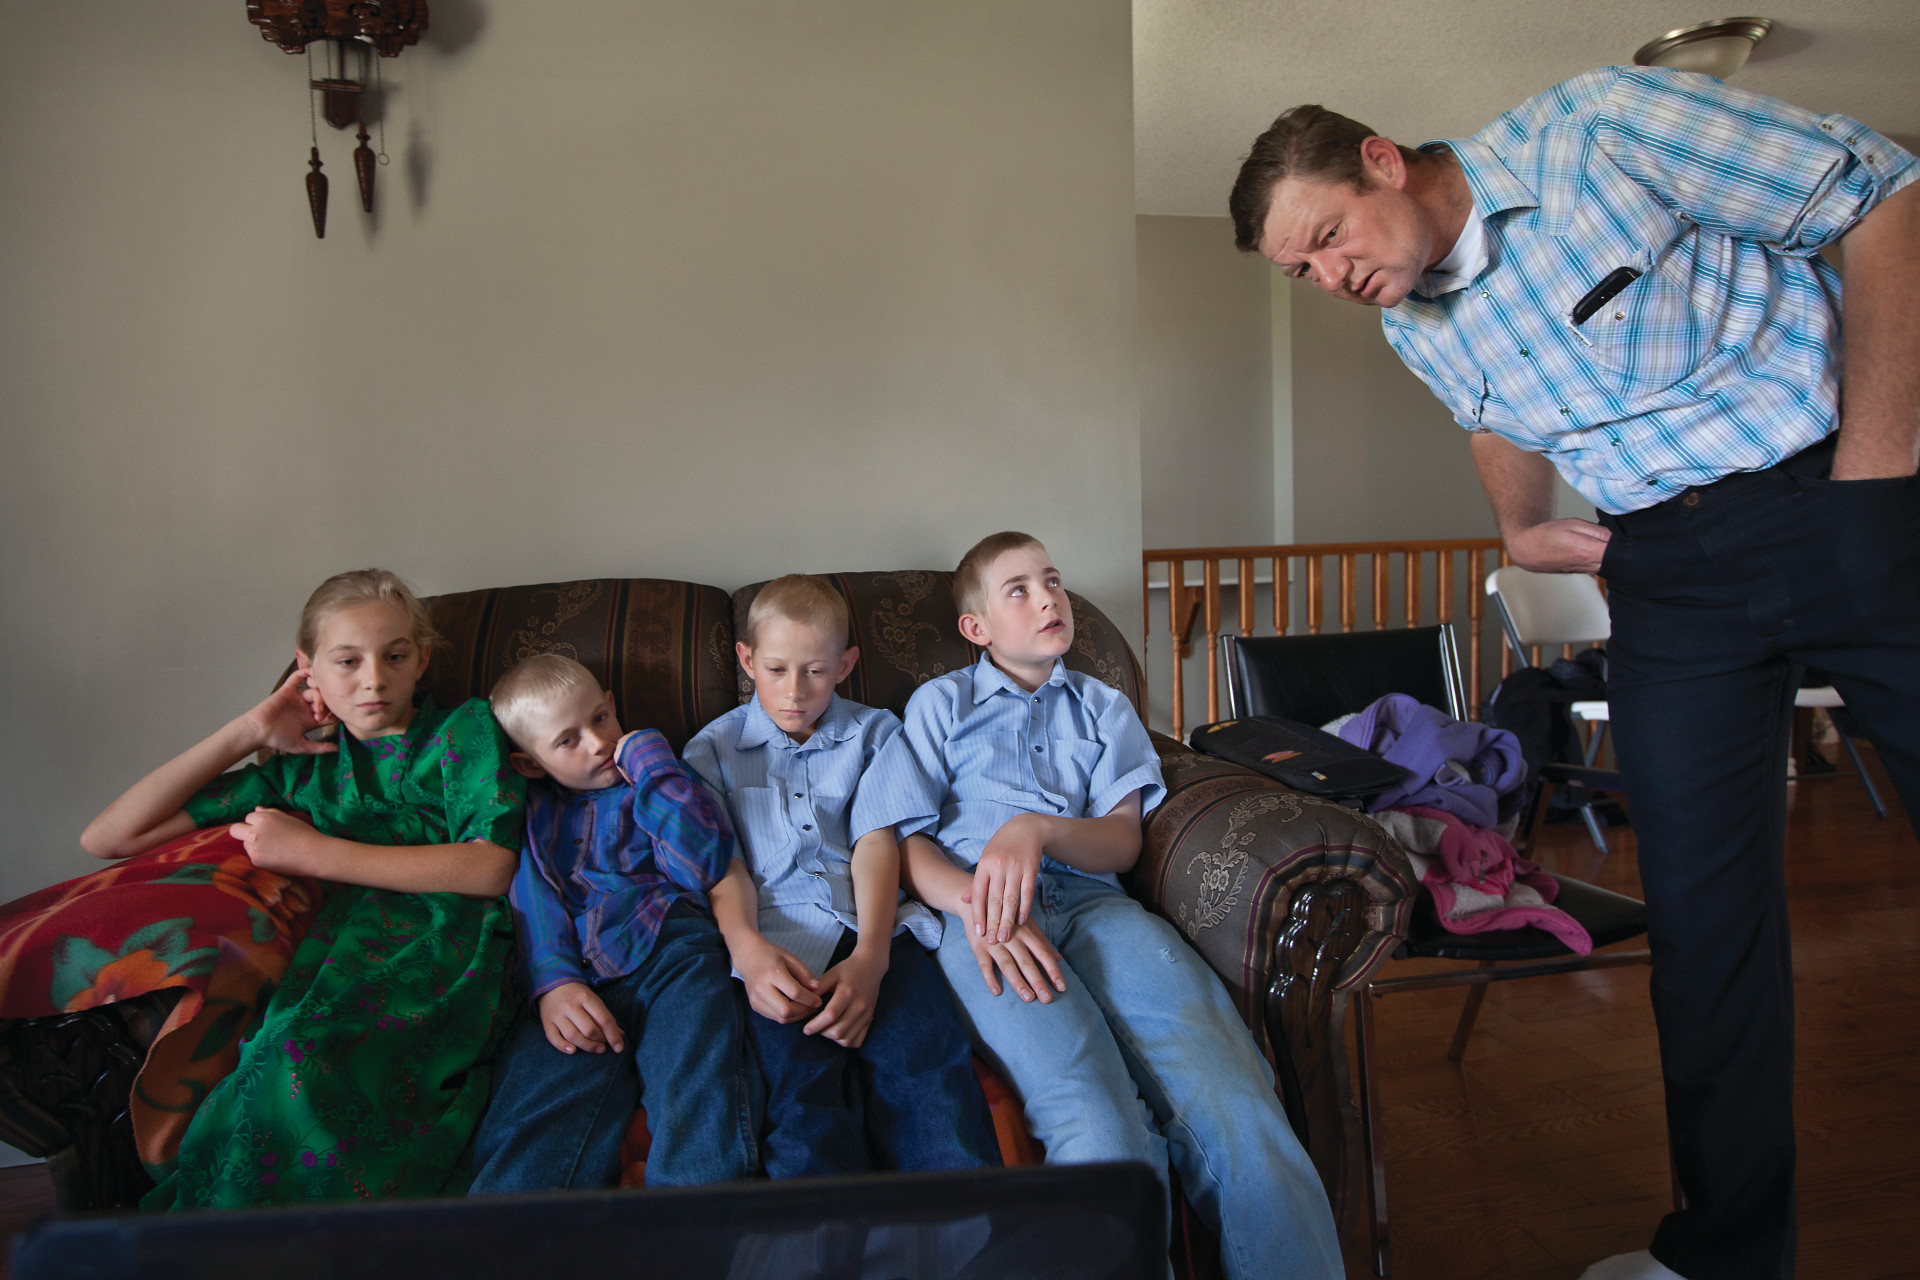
[1619,315]
[1653,480]
[798,796]
[1485,294]
[1565,410]
[1525,352]
[806,826]
[1038,749]
[1827,127]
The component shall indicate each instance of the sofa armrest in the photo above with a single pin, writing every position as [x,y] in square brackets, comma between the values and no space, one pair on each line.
[1292,900]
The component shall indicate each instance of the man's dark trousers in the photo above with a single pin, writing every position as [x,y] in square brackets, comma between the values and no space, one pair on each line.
[1719,595]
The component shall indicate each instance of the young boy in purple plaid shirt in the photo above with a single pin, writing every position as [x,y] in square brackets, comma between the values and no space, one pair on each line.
[635,996]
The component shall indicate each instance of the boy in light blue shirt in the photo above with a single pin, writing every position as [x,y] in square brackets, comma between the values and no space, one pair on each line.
[866,1062]
[1122,1044]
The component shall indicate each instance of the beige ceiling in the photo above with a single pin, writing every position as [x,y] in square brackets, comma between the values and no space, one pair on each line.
[1209,75]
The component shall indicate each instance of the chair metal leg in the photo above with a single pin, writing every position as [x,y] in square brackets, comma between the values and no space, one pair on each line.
[1468,1013]
[1859,767]
[1376,1171]
[1594,829]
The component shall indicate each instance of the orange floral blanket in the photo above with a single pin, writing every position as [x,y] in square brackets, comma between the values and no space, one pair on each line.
[193,913]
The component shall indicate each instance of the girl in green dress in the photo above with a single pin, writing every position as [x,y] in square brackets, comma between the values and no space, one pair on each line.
[371,1064]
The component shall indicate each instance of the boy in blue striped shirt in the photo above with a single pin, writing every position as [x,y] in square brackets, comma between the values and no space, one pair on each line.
[866,1063]
[1120,1041]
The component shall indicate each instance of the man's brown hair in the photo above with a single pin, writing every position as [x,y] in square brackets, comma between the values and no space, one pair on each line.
[1307,142]
[800,597]
[969,580]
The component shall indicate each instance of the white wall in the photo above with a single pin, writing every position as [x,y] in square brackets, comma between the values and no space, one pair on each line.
[1206,389]
[693,288]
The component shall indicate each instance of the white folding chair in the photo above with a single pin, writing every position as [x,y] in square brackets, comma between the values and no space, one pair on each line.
[1567,608]
[1555,609]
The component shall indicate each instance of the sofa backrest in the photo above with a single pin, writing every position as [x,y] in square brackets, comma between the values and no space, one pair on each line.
[908,632]
[665,648]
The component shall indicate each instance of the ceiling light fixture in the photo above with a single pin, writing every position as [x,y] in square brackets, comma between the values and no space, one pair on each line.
[1718,48]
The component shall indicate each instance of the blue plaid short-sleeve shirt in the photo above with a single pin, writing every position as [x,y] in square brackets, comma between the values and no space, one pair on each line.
[1724,354]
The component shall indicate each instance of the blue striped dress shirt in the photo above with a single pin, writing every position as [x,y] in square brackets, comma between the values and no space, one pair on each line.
[799,808]
[1724,354]
[1073,748]
[600,869]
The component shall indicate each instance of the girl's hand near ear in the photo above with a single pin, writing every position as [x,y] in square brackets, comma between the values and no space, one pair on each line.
[282,721]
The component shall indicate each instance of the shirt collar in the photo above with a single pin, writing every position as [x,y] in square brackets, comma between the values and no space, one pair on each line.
[1495,190]
[836,724]
[989,680]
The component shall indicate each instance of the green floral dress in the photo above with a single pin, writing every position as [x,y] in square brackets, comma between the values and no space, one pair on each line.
[372,1062]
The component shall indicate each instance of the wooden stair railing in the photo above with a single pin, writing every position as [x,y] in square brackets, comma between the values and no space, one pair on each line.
[1189,603]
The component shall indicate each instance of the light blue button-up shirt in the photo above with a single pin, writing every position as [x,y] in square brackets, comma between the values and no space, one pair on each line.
[1073,748]
[799,807]
[1724,355]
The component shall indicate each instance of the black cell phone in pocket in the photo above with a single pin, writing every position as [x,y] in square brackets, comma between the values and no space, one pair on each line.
[1603,293]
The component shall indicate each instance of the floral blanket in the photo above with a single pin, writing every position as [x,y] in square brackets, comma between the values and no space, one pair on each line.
[193,913]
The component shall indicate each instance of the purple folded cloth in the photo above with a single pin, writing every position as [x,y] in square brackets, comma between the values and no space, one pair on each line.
[1472,771]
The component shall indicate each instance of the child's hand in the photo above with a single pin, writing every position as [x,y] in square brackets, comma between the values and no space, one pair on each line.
[1003,879]
[852,988]
[289,713]
[575,1018]
[779,987]
[280,841]
[618,747]
[1028,960]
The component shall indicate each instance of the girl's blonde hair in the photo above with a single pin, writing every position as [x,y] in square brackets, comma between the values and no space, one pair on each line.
[357,587]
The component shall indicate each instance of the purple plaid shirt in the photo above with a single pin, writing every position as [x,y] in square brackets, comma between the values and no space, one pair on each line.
[600,869]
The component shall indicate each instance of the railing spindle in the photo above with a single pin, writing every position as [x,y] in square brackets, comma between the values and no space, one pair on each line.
[1212,588]
[1347,569]
[1412,586]
[1282,594]
[1382,561]
[1316,592]
[1247,593]
[1176,601]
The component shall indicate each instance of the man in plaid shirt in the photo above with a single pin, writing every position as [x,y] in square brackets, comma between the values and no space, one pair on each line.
[1621,279]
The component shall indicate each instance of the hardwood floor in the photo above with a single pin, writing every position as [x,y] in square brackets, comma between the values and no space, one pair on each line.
[1545,1149]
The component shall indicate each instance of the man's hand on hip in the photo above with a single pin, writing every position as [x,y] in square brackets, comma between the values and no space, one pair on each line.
[1559,546]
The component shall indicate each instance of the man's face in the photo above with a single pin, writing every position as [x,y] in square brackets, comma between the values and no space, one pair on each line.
[1369,246]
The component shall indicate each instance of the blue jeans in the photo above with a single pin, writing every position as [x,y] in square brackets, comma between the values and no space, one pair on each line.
[556,1119]
[1143,1058]
[904,1100]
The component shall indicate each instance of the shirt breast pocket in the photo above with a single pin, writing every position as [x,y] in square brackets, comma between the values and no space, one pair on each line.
[989,765]
[1076,760]
[765,836]
[1647,336]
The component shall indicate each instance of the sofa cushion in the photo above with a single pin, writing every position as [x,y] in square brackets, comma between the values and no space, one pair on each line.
[664,648]
[907,629]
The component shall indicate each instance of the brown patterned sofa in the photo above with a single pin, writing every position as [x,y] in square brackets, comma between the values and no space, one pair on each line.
[1290,899]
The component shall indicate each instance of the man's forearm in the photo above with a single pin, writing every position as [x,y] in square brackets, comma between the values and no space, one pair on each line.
[1519,485]
[1880,318]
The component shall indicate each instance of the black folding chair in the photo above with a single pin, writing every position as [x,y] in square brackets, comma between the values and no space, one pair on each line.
[1315,679]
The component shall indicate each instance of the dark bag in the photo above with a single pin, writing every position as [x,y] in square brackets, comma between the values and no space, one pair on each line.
[1532,704]
[1300,756]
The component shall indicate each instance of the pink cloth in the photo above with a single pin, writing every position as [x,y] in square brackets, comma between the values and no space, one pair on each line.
[1479,883]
